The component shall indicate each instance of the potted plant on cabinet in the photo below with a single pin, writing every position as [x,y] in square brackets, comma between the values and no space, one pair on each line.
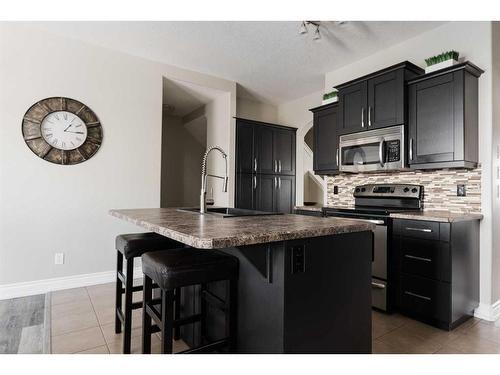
[330,97]
[441,61]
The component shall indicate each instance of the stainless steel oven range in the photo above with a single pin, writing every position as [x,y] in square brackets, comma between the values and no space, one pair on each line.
[374,203]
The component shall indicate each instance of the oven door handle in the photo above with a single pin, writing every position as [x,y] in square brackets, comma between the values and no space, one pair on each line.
[378,222]
[381,153]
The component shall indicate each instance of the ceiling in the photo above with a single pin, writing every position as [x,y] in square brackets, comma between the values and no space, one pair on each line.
[185,97]
[269,60]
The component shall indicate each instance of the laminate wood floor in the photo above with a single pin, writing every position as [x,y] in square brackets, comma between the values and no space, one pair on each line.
[83,322]
[24,325]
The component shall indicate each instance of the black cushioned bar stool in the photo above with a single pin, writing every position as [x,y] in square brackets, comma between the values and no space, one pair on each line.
[180,268]
[132,246]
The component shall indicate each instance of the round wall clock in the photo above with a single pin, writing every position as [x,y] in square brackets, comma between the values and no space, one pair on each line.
[62,130]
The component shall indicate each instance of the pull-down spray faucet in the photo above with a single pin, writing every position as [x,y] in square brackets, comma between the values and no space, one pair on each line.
[204,175]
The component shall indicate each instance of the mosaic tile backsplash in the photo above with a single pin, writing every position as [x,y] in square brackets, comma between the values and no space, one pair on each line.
[440,187]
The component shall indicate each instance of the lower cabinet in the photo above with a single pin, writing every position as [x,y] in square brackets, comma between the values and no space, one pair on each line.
[265,192]
[438,269]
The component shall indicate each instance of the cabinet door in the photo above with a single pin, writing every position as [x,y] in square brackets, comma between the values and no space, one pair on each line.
[435,120]
[326,140]
[285,196]
[284,151]
[245,162]
[246,184]
[264,149]
[266,192]
[353,102]
[386,100]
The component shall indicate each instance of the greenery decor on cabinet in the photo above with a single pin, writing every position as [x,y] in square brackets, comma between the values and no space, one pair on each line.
[441,61]
[330,97]
[62,130]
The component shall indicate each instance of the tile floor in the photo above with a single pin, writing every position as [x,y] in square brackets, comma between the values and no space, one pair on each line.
[83,322]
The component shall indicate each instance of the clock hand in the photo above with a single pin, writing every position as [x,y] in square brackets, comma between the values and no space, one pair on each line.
[69,126]
[74,132]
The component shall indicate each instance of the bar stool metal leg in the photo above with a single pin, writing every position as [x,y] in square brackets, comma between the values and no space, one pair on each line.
[118,293]
[146,318]
[167,320]
[127,321]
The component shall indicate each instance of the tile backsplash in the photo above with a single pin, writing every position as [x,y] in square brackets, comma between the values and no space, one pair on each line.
[440,187]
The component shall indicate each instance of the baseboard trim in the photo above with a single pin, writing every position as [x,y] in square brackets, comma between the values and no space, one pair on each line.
[59,283]
[488,312]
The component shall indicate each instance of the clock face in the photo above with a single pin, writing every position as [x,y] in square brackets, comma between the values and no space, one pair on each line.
[63,130]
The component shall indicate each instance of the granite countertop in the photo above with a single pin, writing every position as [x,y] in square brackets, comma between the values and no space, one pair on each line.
[316,208]
[436,215]
[213,232]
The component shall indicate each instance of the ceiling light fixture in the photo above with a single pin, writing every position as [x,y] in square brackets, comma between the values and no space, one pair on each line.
[304,30]
[317,35]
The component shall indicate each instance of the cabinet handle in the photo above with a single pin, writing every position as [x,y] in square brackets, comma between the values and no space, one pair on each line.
[418,296]
[337,157]
[279,166]
[255,164]
[378,285]
[425,230]
[411,148]
[279,183]
[254,182]
[275,165]
[381,156]
[362,117]
[275,182]
[369,116]
[418,258]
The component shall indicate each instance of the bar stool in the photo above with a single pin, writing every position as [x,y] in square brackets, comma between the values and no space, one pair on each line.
[180,268]
[132,246]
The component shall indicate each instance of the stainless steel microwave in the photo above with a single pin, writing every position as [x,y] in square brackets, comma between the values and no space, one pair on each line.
[372,150]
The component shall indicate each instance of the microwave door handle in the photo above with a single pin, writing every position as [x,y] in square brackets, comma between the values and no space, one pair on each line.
[381,153]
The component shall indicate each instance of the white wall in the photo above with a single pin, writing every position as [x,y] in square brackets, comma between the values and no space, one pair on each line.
[255,110]
[182,152]
[47,208]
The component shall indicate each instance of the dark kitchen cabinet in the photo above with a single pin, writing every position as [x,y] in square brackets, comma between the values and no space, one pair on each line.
[265,166]
[376,100]
[264,147]
[326,139]
[443,118]
[266,193]
[386,104]
[438,270]
[244,152]
[352,101]
[284,151]
[246,183]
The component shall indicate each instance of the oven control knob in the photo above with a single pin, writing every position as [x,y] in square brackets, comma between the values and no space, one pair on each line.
[363,190]
[406,190]
[358,190]
[414,190]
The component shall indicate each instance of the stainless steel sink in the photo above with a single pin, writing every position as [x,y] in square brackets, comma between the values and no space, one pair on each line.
[226,212]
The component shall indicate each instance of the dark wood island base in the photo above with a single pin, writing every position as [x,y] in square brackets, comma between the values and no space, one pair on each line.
[310,295]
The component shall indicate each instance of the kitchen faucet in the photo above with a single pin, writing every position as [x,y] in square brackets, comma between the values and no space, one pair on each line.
[204,175]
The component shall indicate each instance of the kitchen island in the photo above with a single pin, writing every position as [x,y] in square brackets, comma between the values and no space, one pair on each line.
[304,282]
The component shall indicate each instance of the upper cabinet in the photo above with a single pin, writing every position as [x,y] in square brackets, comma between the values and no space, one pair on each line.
[326,139]
[443,118]
[376,100]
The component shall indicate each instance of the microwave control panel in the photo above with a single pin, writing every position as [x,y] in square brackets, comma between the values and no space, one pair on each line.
[393,150]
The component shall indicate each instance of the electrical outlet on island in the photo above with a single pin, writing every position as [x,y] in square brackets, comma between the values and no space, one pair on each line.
[59,258]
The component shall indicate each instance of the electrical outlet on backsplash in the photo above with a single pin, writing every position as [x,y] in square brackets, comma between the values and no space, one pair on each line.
[440,187]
